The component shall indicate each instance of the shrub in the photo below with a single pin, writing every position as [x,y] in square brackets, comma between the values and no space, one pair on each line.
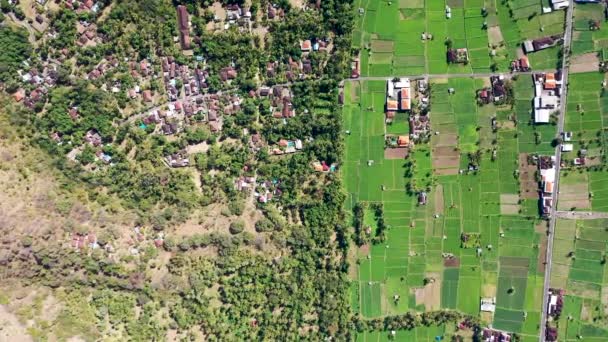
[237,227]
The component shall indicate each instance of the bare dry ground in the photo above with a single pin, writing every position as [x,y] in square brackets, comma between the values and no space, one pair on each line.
[395,153]
[430,295]
[10,327]
[445,158]
[528,187]
[509,204]
[574,196]
[439,203]
[495,35]
[587,62]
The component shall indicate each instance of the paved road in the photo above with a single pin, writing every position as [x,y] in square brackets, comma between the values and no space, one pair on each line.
[476,74]
[558,155]
[581,215]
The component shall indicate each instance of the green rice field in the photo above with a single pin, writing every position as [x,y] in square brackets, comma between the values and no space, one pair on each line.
[390,35]
[586,187]
[508,264]
[579,267]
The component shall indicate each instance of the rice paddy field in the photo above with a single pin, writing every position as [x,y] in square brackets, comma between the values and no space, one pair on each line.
[586,188]
[586,37]
[579,267]
[390,35]
[410,264]
[421,334]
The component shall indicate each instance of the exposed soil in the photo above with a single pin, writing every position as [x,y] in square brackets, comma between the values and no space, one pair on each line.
[542,255]
[587,62]
[528,187]
[10,328]
[430,295]
[495,35]
[396,153]
[574,196]
[439,199]
[453,262]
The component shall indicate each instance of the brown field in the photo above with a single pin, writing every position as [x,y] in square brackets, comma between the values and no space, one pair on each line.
[395,153]
[528,187]
[495,35]
[439,199]
[445,140]
[430,295]
[383,45]
[488,290]
[453,262]
[587,62]
[542,255]
[509,204]
[446,160]
[574,195]
[354,92]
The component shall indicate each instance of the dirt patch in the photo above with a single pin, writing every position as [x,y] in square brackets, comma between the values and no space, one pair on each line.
[439,199]
[354,92]
[509,204]
[495,35]
[587,62]
[296,3]
[445,172]
[506,124]
[396,153]
[449,140]
[11,329]
[455,3]
[488,290]
[528,186]
[445,158]
[509,209]
[574,196]
[429,295]
[383,45]
[451,262]
[541,227]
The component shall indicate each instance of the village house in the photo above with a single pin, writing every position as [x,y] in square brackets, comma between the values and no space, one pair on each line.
[178,159]
[306,45]
[541,43]
[93,138]
[522,64]
[398,95]
[422,198]
[488,304]
[547,170]
[244,183]
[556,302]
[183,23]
[355,68]
[546,88]
[491,335]
[323,167]
[484,96]
[561,4]
[228,73]
[286,146]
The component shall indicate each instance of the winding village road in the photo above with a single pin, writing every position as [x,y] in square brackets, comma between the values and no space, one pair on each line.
[558,155]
